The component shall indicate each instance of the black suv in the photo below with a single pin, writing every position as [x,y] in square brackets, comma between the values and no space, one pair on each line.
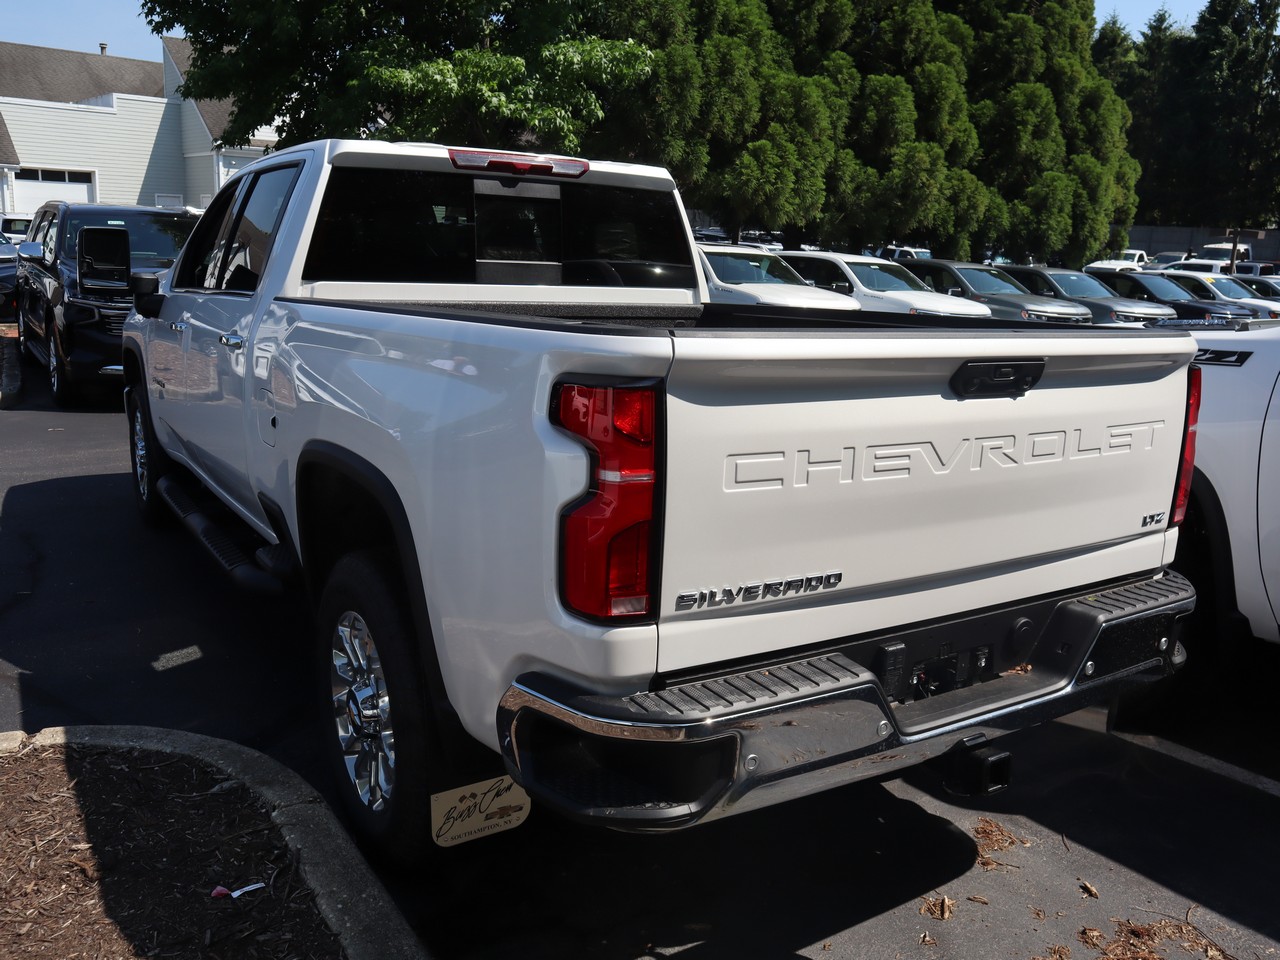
[76,333]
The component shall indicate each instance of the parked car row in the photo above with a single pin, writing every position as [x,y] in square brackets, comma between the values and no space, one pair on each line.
[70,324]
[931,286]
[74,333]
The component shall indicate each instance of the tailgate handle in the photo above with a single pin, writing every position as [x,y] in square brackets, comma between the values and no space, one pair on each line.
[996,378]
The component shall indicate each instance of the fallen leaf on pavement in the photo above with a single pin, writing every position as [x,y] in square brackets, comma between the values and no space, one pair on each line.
[927,940]
[1088,888]
[976,899]
[940,908]
[1091,937]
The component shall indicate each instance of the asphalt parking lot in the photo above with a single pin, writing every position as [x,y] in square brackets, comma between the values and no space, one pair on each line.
[1172,824]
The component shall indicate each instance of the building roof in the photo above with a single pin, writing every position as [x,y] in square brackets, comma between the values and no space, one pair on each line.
[216,114]
[8,152]
[67,76]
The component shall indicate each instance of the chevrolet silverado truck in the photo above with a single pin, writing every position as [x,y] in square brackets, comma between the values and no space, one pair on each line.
[1230,544]
[573,537]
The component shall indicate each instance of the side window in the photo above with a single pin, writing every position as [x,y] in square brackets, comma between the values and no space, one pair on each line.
[229,246]
[826,275]
[50,239]
[1035,283]
[1196,287]
[931,278]
[805,267]
[255,228]
[1126,288]
[42,224]
[199,263]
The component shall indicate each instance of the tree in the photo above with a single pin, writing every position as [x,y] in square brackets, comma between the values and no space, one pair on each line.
[489,74]
[747,116]
[1235,47]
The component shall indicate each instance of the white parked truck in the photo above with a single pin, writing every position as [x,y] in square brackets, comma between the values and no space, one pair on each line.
[1232,534]
[569,531]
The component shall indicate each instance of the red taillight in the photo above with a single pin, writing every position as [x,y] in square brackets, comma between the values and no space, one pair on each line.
[1185,471]
[606,555]
[518,163]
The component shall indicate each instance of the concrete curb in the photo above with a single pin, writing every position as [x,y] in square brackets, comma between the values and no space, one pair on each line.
[10,366]
[348,894]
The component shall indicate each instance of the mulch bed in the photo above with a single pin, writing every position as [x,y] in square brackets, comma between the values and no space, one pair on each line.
[109,853]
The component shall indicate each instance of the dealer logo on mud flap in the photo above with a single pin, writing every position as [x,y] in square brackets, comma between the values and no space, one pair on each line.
[478,810]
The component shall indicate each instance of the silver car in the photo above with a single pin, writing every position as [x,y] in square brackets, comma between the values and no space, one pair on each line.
[1004,296]
[1089,291]
[1224,288]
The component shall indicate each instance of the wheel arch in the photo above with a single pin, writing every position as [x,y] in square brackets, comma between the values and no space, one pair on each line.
[344,504]
[1204,551]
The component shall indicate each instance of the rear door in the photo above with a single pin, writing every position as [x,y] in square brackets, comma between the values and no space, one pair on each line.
[829,484]
[211,311]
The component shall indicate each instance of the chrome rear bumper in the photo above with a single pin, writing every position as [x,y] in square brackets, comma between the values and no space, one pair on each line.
[665,759]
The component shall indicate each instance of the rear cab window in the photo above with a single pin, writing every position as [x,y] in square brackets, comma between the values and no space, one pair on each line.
[503,236]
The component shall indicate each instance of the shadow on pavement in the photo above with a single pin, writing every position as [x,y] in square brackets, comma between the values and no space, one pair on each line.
[105,621]
[765,884]
[1206,838]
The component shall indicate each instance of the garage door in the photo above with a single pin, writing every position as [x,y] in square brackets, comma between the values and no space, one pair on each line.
[34,187]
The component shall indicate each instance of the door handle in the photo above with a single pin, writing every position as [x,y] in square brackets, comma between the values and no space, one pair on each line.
[231,341]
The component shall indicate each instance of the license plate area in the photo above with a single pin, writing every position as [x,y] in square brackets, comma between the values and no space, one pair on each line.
[939,675]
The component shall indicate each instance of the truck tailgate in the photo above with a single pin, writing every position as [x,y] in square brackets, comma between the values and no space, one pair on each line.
[825,485]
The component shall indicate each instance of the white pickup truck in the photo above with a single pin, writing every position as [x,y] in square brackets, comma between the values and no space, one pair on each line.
[1231,545]
[568,532]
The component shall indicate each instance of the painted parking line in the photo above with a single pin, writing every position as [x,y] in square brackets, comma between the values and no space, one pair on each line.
[176,658]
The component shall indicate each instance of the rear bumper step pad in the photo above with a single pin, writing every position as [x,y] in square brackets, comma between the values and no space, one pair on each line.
[759,737]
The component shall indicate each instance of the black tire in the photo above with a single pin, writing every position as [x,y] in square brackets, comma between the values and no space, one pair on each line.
[378,735]
[60,387]
[148,461]
[24,348]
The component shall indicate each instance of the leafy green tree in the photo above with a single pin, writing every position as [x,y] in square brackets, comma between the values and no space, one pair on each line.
[1235,48]
[512,71]
[1052,129]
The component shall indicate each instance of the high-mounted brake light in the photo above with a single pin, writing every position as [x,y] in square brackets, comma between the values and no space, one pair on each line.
[1183,493]
[518,163]
[606,552]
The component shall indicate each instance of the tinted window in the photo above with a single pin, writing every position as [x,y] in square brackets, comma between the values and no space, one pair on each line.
[1036,283]
[255,228]
[155,237]
[1162,287]
[229,249]
[199,265]
[823,273]
[934,278]
[1195,287]
[413,226]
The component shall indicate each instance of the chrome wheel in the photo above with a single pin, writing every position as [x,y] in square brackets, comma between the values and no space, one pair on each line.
[140,454]
[362,712]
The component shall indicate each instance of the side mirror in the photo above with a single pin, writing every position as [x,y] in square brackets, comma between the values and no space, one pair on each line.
[30,250]
[102,260]
[955,292]
[843,286]
[147,298]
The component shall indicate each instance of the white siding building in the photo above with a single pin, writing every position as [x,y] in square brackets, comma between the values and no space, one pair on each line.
[84,126]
